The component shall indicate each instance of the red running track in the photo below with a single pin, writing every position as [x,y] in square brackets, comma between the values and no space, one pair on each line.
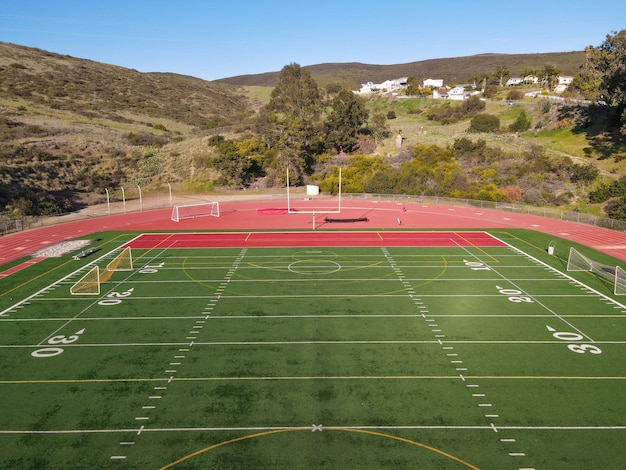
[246,216]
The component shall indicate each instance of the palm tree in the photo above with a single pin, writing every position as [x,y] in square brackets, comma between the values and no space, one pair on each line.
[530,73]
[501,72]
[549,76]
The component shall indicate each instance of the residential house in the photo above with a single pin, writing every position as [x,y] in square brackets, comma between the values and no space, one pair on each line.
[457,93]
[367,88]
[387,85]
[513,81]
[531,80]
[440,93]
[433,83]
[563,82]
[394,84]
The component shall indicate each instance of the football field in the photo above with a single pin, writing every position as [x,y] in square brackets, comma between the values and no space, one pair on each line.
[342,350]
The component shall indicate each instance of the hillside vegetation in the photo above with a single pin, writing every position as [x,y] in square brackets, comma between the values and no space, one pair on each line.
[71,128]
[97,90]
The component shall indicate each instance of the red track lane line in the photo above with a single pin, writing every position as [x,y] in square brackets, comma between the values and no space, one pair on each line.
[19,267]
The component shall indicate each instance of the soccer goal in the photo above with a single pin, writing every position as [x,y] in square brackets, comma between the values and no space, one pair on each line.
[579,262]
[90,283]
[191,211]
[122,262]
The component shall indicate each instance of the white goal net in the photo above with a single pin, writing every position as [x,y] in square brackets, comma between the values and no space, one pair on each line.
[579,262]
[90,283]
[191,211]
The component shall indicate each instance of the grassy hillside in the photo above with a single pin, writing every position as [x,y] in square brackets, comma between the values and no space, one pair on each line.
[94,89]
[452,70]
[71,127]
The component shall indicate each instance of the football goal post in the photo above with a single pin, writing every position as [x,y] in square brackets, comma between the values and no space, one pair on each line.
[576,261]
[90,283]
[314,212]
[191,211]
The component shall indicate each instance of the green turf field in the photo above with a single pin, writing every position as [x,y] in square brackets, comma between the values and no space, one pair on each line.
[342,358]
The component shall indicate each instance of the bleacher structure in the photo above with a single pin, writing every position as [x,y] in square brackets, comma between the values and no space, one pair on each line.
[84,253]
[191,211]
[90,283]
[576,261]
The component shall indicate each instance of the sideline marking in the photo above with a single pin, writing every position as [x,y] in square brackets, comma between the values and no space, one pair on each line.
[344,428]
[318,377]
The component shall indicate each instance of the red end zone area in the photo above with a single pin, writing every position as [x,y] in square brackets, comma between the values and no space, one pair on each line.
[302,239]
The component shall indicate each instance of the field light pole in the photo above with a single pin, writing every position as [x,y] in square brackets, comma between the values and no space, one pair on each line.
[123,198]
[108,201]
[140,200]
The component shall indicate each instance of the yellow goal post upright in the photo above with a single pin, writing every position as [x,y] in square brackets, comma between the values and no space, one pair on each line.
[314,212]
[90,283]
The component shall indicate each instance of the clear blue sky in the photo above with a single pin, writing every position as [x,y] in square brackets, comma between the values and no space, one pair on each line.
[214,39]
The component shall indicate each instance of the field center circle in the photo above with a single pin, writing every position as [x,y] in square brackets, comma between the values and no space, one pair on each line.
[314,266]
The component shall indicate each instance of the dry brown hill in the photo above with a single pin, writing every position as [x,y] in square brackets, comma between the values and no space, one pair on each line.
[70,127]
[87,87]
[452,70]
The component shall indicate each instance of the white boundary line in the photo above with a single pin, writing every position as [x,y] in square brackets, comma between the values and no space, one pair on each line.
[576,281]
[327,428]
[56,283]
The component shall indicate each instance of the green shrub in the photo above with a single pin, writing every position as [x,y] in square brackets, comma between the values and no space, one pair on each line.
[216,140]
[514,95]
[449,120]
[584,173]
[484,123]
[616,209]
[145,139]
[521,124]
[472,105]
[158,127]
